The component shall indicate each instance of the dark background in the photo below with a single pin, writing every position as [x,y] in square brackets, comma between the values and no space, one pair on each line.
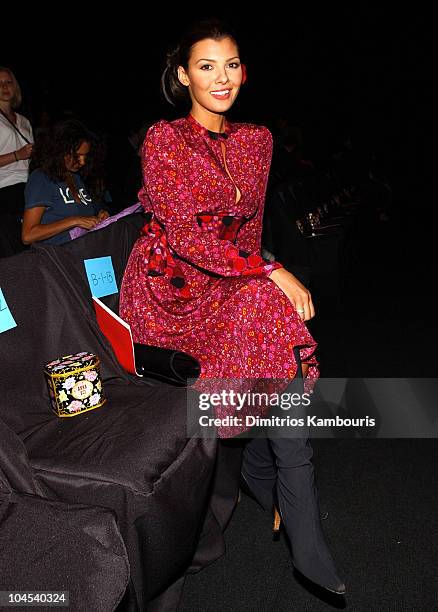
[364,71]
[369,71]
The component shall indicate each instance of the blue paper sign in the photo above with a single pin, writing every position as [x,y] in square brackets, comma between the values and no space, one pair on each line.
[6,318]
[100,275]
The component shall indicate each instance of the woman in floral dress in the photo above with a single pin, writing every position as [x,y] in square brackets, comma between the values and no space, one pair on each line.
[196,280]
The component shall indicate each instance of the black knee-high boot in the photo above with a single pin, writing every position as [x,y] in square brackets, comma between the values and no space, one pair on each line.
[280,470]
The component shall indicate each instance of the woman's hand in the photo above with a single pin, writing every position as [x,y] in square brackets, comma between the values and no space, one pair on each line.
[295,291]
[102,214]
[25,152]
[33,230]
[85,222]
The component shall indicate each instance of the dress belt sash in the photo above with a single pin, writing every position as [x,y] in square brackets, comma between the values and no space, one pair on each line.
[158,259]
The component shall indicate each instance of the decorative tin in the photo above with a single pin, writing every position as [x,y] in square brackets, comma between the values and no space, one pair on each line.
[74,384]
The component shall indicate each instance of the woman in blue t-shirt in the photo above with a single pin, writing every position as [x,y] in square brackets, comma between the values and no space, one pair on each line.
[56,199]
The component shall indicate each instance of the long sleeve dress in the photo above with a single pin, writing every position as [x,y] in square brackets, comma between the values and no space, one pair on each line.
[195,280]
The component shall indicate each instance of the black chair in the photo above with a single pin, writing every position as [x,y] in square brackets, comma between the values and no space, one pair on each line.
[171,494]
[49,545]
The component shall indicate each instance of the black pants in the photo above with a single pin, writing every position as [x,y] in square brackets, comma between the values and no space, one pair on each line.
[11,213]
[279,470]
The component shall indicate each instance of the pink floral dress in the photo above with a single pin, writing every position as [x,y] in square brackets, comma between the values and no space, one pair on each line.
[195,280]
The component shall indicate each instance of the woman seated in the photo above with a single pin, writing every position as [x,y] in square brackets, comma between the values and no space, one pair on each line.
[56,198]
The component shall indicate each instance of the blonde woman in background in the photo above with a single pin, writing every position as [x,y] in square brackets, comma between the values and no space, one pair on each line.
[16,142]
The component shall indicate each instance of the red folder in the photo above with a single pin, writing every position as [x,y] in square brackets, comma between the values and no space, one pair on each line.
[167,365]
[118,333]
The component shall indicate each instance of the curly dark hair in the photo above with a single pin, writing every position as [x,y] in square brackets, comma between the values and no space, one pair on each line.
[64,138]
[94,171]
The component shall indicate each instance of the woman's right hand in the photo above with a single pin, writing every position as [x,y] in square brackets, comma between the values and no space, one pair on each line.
[33,230]
[86,223]
[295,291]
[25,152]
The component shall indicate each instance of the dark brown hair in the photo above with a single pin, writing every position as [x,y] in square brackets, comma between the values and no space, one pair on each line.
[63,139]
[171,87]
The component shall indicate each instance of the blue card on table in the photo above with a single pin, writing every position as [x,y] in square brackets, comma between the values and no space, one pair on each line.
[100,275]
[6,319]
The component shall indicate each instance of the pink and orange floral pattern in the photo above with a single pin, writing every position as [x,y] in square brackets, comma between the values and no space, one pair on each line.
[195,280]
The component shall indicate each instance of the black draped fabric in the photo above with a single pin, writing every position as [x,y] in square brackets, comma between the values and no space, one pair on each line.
[54,546]
[172,496]
[11,211]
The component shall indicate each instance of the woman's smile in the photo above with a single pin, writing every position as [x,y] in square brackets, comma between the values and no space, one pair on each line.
[213,78]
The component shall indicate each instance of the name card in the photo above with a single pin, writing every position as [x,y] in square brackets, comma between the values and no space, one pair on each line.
[100,275]
[6,318]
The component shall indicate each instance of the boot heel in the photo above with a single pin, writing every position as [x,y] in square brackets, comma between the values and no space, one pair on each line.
[276,525]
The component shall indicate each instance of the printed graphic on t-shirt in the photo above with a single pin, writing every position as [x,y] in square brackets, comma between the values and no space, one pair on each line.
[68,199]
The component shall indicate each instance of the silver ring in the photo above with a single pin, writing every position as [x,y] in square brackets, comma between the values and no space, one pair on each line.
[300,310]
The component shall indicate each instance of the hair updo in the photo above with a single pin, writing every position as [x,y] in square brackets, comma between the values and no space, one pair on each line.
[171,87]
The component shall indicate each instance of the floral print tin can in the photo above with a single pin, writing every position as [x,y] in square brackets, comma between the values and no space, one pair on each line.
[74,384]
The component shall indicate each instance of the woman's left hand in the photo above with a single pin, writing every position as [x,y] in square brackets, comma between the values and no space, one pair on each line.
[102,215]
[295,291]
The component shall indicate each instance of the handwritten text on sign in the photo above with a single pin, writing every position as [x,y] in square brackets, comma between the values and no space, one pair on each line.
[6,318]
[100,275]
